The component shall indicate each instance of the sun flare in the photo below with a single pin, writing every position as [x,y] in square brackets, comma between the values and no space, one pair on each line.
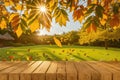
[42,9]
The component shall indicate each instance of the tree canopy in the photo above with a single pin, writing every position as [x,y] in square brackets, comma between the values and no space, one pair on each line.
[22,16]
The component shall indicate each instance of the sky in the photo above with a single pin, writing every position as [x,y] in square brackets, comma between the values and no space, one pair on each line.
[57,29]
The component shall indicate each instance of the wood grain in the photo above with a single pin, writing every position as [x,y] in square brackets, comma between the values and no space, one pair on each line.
[59,70]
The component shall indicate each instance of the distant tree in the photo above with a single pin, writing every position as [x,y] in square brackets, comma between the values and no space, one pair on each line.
[71,37]
[101,35]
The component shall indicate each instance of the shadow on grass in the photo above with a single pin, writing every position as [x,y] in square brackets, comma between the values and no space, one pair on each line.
[54,57]
[92,58]
[78,57]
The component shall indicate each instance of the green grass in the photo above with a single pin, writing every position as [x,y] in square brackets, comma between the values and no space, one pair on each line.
[70,53]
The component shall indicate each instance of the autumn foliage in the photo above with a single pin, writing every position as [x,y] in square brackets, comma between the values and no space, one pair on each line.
[22,16]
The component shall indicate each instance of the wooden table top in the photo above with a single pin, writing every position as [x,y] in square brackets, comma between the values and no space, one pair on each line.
[59,70]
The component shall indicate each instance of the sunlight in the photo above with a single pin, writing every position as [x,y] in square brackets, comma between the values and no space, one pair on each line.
[42,32]
[42,9]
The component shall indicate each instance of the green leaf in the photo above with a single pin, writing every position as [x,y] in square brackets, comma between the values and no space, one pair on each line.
[86,25]
[31,16]
[99,11]
[88,19]
[90,10]
[24,22]
[24,16]
[96,21]
[64,12]
[32,20]
[56,12]
[116,8]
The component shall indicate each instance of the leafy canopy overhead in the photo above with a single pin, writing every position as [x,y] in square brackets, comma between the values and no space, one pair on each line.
[22,16]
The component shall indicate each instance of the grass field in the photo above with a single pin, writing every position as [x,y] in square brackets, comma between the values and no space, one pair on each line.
[68,53]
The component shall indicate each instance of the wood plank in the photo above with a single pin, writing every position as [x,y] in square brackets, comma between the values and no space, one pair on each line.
[115,71]
[85,72]
[6,64]
[40,72]
[104,73]
[71,71]
[61,71]
[115,65]
[9,69]
[15,74]
[51,73]
[4,73]
[26,74]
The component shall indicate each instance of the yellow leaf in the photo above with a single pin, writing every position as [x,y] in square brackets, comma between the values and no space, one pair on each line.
[94,1]
[27,58]
[62,19]
[19,7]
[46,22]
[51,3]
[5,12]
[19,31]
[11,2]
[105,16]
[26,13]
[34,26]
[3,24]
[57,41]
[103,21]
[115,28]
[7,4]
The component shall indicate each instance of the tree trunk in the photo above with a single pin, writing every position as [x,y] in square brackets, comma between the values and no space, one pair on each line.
[106,44]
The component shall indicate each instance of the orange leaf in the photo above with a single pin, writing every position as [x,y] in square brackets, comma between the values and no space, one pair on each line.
[12,16]
[94,27]
[89,2]
[115,21]
[91,28]
[73,4]
[15,22]
[78,14]
[88,29]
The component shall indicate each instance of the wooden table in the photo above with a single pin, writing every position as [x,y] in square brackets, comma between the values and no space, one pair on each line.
[63,70]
